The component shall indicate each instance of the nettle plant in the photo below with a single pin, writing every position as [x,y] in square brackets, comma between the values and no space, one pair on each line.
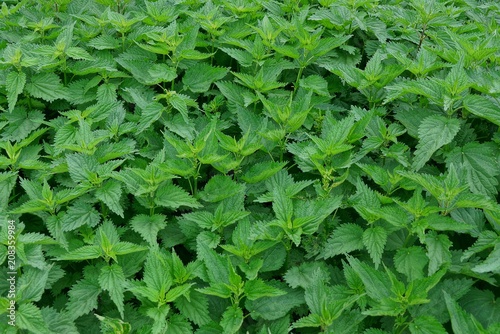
[179,166]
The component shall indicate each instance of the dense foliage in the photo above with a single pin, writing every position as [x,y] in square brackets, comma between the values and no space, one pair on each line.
[237,166]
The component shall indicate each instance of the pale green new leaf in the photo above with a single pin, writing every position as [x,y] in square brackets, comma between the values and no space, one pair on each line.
[14,83]
[433,133]
[112,280]
[374,239]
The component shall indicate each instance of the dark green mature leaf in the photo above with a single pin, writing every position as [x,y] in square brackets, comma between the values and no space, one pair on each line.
[256,289]
[148,227]
[426,325]
[198,78]
[344,239]
[46,86]
[483,107]
[14,83]
[377,285]
[29,317]
[433,133]
[232,320]
[172,196]
[83,298]
[461,322]
[374,239]
[480,162]
[411,262]
[110,193]
[195,308]
[112,280]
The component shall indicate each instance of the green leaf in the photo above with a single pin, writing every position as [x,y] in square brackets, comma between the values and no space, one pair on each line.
[171,196]
[195,308]
[438,250]
[374,239]
[7,182]
[256,289]
[426,325]
[81,167]
[82,253]
[112,280]
[220,187]
[83,298]
[433,133]
[217,266]
[411,262]
[123,248]
[232,319]
[150,114]
[315,83]
[483,304]
[29,317]
[272,308]
[14,83]
[461,322]
[262,171]
[148,227]
[199,77]
[480,162]
[79,215]
[174,293]
[78,53]
[345,238]
[377,285]
[110,193]
[491,263]
[46,86]
[483,107]
[113,325]
[31,284]
[162,73]
[311,320]
[159,316]
[282,205]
